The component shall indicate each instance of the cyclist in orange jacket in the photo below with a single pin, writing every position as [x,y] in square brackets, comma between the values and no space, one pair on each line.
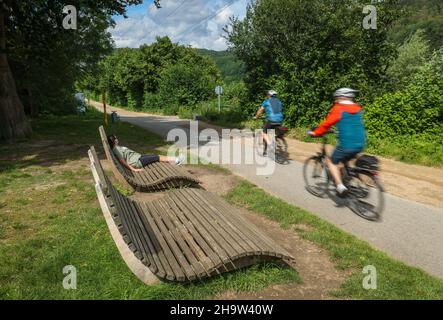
[347,115]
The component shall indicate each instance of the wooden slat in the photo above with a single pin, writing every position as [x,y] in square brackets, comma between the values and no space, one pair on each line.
[236,229]
[165,240]
[273,248]
[181,237]
[228,230]
[243,232]
[208,234]
[226,245]
[201,248]
[141,235]
[175,252]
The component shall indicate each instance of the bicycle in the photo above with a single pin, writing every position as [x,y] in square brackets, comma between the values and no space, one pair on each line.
[281,145]
[366,193]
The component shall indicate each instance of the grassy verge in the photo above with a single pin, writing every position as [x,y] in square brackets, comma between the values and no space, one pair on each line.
[50,218]
[395,280]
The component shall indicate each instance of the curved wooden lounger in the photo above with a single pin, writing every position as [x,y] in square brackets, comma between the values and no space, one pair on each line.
[188,234]
[156,177]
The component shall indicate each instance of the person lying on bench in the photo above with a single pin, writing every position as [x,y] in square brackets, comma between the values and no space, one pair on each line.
[134,161]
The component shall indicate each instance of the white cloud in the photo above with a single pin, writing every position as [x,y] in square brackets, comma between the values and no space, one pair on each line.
[195,22]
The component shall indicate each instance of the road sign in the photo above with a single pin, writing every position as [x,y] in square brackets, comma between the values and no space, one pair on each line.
[218,90]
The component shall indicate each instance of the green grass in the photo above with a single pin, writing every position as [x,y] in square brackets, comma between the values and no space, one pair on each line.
[395,280]
[50,218]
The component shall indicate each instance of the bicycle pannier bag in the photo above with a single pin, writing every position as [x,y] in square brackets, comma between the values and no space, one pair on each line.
[368,162]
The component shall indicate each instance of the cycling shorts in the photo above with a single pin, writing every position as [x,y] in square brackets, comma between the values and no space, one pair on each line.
[271,125]
[343,155]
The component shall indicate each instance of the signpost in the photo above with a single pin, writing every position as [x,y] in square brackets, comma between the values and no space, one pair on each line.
[105,119]
[219,91]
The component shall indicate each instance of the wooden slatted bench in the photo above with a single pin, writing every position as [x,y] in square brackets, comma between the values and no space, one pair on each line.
[155,177]
[186,235]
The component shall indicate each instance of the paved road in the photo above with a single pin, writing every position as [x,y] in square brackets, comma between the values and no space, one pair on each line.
[410,231]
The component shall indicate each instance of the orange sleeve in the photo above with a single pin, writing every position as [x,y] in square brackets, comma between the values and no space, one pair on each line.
[333,117]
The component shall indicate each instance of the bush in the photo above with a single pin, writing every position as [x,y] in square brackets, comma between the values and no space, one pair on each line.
[415,110]
[185,84]
[411,56]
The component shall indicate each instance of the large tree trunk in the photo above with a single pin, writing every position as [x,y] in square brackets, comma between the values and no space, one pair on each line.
[13,124]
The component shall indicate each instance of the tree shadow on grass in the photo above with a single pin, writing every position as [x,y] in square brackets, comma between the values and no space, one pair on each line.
[42,153]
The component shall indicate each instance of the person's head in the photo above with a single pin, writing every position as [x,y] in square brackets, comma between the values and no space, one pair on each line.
[112,140]
[345,94]
[271,93]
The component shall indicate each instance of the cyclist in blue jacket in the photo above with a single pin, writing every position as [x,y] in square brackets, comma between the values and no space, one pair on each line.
[272,106]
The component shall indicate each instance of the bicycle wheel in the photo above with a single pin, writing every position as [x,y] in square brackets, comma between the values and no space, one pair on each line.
[366,196]
[260,144]
[282,144]
[281,154]
[316,177]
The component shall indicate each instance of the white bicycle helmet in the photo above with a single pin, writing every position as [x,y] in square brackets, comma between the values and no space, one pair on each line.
[272,93]
[345,92]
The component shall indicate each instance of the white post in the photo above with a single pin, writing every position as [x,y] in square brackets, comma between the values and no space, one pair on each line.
[219,91]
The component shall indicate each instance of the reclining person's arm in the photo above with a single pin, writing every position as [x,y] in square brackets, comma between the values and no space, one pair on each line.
[123,161]
[128,166]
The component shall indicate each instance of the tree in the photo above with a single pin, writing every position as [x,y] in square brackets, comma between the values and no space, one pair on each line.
[185,84]
[46,58]
[163,72]
[426,15]
[13,122]
[415,109]
[411,56]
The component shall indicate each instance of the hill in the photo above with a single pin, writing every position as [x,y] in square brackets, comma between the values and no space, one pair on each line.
[421,14]
[230,67]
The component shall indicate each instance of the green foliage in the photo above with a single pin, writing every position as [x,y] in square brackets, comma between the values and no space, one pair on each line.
[306,49]
[411,56]
[231,69]
[160,76]
[185,84]
[46,59]
[426,15]
[415,110]
[234,107]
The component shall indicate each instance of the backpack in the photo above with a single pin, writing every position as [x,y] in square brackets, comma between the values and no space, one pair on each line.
[368,162]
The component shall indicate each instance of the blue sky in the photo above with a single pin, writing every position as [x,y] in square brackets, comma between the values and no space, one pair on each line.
[197,23]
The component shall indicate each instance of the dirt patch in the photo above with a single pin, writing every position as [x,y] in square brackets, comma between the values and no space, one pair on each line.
[216,181]
[50,185]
